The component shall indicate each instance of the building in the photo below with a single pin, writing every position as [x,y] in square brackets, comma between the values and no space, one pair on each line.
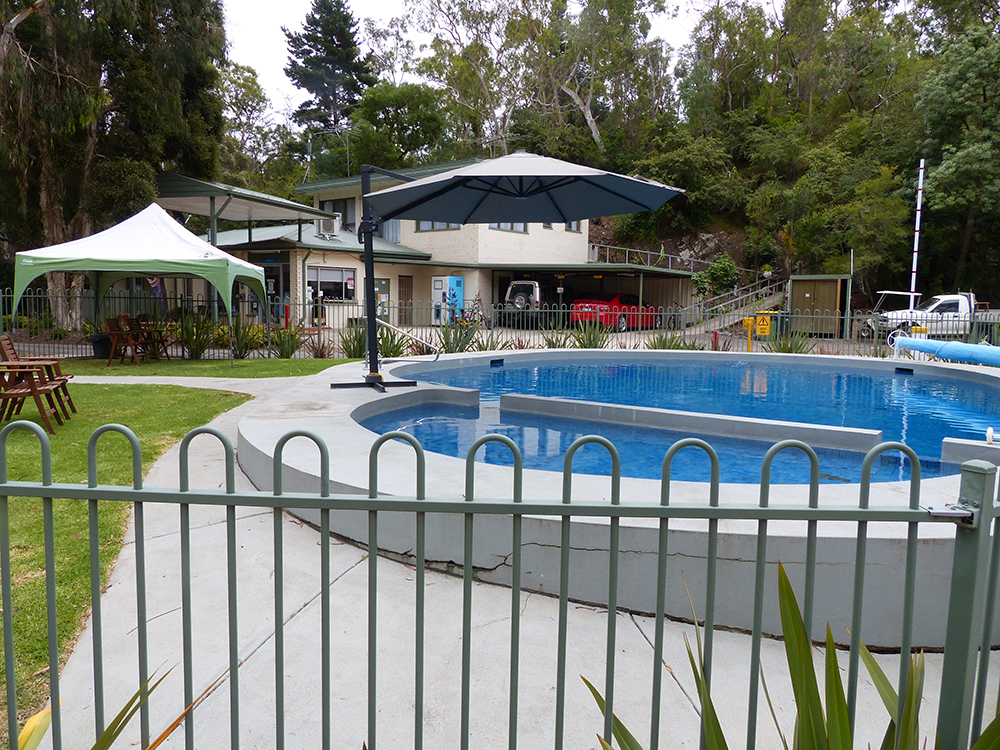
[306,262]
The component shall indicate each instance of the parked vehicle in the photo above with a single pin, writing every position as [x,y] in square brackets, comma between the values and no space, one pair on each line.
[617,311]
[943,316]
[529,304]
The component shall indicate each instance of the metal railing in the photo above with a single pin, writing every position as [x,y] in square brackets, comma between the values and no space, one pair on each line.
[969,618]
[614,254]
[707,325]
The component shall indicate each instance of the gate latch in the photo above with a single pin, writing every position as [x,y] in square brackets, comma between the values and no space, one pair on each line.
[958,512]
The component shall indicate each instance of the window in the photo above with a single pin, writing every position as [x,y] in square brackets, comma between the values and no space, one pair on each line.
[572,226]
[433,226]
[547,226]
[347,208]
[507,226]
[389,230]
[331,283]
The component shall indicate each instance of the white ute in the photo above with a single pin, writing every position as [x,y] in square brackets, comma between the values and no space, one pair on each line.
[943,316]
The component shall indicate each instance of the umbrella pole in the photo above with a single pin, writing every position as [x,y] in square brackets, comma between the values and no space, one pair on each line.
[368,229]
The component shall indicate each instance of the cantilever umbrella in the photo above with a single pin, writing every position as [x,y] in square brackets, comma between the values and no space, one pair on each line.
[521,187]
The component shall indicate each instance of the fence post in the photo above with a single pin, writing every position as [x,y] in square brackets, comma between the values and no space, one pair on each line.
[969,574]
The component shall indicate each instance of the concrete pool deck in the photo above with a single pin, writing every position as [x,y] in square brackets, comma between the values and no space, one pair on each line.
[311,404]
[679,720]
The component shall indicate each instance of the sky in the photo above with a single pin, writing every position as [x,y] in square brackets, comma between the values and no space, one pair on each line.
[256,39]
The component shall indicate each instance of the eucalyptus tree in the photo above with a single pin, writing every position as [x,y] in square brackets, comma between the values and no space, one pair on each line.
[960,102]
[480,65]
[89,111]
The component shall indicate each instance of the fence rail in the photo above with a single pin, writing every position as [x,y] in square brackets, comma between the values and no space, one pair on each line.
[708,325]
[965,663]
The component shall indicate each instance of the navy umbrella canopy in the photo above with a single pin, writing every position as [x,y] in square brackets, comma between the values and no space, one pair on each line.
[520,187]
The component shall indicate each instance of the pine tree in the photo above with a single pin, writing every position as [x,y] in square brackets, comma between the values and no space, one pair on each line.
[324,59]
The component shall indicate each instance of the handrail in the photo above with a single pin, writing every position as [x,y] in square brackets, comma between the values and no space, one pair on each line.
[409,335]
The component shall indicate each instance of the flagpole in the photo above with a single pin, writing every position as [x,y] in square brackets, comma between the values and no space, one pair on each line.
[916,236]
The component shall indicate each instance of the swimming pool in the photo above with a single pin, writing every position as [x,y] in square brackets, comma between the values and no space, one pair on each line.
[915,408]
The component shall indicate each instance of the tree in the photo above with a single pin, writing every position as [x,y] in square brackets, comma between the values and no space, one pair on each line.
[324,59]
[961,105]
[396,125]
[89,111]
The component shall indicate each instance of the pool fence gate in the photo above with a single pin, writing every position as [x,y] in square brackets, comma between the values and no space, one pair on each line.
[382,679]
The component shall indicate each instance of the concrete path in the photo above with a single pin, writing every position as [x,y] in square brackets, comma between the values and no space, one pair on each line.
[349,622]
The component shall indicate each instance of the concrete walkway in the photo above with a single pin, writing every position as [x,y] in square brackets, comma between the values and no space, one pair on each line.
[349,589]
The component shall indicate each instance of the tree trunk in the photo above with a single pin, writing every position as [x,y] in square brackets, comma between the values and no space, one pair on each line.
[963,253]
[584,108]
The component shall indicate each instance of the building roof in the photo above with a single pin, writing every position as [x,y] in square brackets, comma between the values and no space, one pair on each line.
[287,237]
[416,173]
[191,196]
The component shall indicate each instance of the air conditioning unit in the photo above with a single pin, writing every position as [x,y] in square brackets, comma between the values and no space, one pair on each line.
[329,227]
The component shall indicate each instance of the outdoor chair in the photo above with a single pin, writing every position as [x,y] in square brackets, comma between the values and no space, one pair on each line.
[157,334]
[143,344]
[123,344]
[53,371]
[19,382]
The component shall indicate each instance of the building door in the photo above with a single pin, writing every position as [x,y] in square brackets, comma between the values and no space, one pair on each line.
[405,300]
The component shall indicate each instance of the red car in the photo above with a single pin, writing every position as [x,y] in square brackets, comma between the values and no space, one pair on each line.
[617,311]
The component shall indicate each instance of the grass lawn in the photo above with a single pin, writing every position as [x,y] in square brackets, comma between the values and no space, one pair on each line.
[177,410]
[204,368]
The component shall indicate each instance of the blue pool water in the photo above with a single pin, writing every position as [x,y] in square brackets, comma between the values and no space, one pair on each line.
[915,409]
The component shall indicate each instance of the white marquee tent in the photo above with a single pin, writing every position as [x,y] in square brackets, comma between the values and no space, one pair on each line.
[150,243]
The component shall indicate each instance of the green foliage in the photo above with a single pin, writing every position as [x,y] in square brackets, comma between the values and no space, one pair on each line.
[354,342]
[557,338]
[325,60]
[247,338]
[197,334]
[460,336]
[720,277]
[590,336]
[286,341]
[391,343]
[491,341]
[395,124]
[790,343]
[672,341]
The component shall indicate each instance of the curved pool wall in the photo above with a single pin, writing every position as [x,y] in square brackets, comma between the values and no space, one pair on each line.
[333,414]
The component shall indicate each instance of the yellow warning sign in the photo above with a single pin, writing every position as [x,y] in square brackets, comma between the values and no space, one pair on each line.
[763,325]
[748,323]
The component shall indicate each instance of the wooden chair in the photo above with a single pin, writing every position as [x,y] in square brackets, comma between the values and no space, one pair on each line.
[158,336]
[143,345]
[53,371]
[19,382]
[122,343]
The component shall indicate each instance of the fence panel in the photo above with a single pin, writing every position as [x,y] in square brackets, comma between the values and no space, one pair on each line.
[255,581]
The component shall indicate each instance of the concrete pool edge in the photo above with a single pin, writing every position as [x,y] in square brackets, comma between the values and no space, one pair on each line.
[818,436]
[312,405]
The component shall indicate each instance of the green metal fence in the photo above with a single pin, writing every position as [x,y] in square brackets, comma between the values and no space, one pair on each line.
[740,323]
[969,618]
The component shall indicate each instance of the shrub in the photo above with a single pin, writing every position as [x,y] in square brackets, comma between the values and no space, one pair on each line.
[591,336]
[353,342]
[458,337]
[790,343]
[286,341]
[320,347]
[197,334]
[246,337]
[491,341]
[391,343]
[668,341]
[59,334]
[557,338]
